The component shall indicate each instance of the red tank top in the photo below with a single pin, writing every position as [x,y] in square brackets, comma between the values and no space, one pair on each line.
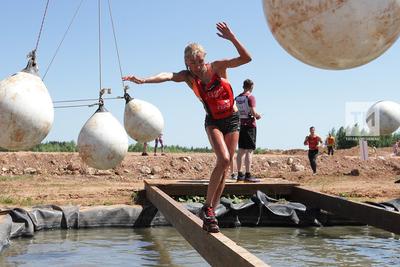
[217,96]
[313,142]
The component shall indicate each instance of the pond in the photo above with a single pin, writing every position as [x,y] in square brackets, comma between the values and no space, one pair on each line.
[163,246]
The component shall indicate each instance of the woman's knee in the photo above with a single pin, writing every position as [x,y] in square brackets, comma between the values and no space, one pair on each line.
[224,162]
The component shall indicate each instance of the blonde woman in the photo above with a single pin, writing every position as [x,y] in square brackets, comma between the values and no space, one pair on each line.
[209,82]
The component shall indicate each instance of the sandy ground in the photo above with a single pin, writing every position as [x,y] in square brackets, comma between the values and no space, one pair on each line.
[28,178]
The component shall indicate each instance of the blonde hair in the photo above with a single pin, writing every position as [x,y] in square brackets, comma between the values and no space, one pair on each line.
[192,50]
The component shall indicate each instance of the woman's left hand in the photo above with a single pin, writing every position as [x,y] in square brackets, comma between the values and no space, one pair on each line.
[224,31]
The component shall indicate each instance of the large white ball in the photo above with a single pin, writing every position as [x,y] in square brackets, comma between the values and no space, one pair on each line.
[143,121]
[383,117]
[333,34]
[102,142]
[26,111]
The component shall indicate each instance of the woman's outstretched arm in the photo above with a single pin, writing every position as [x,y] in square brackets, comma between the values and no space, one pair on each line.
[158,78]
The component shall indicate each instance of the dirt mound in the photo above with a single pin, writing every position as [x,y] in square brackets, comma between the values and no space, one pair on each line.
[28,178]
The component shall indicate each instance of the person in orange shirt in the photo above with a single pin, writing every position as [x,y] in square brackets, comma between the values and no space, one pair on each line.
[313,141]
[330,144]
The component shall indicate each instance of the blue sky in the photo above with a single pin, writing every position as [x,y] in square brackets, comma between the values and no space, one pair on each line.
[151,37]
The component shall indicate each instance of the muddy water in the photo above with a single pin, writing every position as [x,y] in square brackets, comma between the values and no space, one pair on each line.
[163,246]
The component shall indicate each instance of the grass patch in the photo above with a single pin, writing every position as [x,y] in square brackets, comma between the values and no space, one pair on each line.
[27,202]
[13,178]
[201,199]
[6,200]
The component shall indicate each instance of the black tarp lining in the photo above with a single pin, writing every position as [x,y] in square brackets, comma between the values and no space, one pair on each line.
[259,210]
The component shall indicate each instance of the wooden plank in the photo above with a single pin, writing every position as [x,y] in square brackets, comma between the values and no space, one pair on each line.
[363,213]
[199,188]
[216,249]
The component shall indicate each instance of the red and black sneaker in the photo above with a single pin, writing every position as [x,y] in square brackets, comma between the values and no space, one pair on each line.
[210,223]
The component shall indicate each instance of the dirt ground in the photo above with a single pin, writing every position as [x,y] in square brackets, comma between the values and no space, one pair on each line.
[28,178]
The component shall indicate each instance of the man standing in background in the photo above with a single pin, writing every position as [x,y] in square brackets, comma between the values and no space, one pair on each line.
[246,104]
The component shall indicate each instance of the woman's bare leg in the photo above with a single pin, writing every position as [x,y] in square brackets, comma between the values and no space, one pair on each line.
[220,148]
[231,140]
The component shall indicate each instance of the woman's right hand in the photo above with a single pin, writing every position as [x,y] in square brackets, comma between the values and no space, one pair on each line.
[134,79]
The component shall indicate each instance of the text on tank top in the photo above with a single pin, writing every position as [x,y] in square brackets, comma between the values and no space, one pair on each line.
[216,96]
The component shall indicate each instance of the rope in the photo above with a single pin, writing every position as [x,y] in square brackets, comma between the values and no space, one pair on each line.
[75,106]
[41,26]
[62,39]
[99,7]
[115,42]
[84,100]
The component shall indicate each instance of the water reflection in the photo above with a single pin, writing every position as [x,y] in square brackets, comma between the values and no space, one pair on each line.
[329,246]
[163,246]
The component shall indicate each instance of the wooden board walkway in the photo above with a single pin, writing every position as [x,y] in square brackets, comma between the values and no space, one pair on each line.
[360,212]
[219,250]
[216,249]
[272,186]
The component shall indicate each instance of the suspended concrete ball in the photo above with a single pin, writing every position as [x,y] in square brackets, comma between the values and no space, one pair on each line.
[332,34]
[143,121]
[383,117]
[26,111]
[102,142]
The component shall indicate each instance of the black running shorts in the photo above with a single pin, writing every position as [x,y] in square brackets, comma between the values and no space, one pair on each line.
[247,137]
[228,125]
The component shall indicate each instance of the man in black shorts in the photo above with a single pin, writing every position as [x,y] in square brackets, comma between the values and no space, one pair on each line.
[246,104]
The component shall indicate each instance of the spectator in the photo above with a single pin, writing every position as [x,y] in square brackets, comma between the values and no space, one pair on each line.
[159,140]
[330,144]
[144,153]
[246,103]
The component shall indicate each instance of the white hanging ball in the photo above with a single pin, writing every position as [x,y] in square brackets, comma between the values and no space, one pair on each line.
[102,142]
[143,121]
[383,117]
[26,111]
[332,34]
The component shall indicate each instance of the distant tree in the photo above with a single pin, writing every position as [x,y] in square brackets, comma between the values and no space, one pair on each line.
[343,141]
[55,146]
[138,147]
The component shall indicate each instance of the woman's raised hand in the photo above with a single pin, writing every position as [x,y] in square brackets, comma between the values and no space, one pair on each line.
[224,31]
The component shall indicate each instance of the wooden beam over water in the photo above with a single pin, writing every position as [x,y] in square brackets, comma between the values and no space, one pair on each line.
[216,249]
[363,213]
